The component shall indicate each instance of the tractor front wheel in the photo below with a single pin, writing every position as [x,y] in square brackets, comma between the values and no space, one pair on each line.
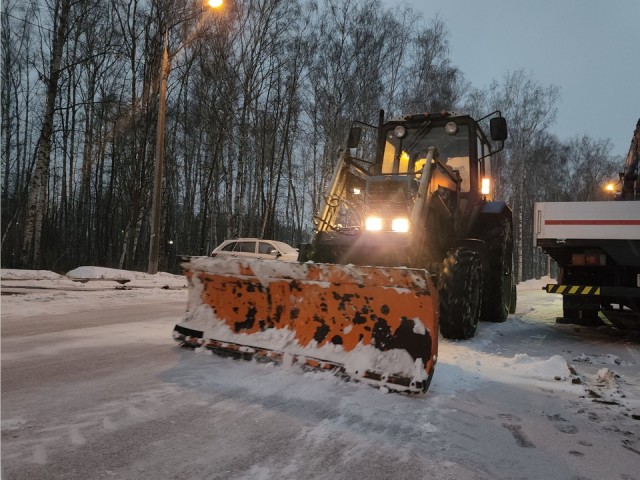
[499,292]
[460,289]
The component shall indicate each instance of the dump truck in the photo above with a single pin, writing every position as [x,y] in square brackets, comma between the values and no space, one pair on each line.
[409,243]
[597,248]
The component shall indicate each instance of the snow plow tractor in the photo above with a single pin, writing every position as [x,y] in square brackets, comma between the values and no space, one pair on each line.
[408,243]
[424,200]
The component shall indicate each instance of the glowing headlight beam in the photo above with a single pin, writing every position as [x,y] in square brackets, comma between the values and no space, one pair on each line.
[373,223]
[400,225]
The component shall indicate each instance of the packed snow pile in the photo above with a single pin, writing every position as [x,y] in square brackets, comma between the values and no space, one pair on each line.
[15,274]
[535,283]
[552,368]
[84,274]
[160,279]
[38,292]
[521,368]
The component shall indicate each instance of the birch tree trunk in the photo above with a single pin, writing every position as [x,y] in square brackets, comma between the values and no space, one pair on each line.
[30,254]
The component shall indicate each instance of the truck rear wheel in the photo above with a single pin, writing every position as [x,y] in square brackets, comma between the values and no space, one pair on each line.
[497,298]
[460,288]
[580,311]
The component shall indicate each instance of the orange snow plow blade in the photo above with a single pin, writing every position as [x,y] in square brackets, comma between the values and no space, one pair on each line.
[375,324]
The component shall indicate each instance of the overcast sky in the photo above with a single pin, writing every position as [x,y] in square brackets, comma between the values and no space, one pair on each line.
[589,48]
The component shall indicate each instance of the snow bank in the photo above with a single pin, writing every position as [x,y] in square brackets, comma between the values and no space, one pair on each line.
[160,279]
[16,274]
[99,276]
[535,283]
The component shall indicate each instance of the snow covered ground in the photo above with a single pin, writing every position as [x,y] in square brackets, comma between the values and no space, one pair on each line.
[526,399]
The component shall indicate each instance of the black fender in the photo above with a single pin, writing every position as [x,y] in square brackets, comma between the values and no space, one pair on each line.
[486,214]
[475,244]
[490,213]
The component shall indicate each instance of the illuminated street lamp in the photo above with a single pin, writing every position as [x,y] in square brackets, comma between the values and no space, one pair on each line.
[156,202]
[611,189]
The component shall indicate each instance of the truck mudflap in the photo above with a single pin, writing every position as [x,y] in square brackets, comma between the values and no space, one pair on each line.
[619,305]
[586,290]
[378,325]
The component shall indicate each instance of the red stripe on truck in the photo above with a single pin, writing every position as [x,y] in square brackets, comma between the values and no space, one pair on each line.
[592,222]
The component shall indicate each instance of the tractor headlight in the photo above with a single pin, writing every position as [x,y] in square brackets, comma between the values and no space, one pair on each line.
[400,131]
[400,225]
[377,224]
[373,223]
[451,128]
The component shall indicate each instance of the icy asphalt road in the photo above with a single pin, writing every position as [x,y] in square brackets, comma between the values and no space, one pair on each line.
[94,388]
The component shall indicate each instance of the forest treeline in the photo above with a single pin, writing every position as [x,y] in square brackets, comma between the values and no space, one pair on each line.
[260,97]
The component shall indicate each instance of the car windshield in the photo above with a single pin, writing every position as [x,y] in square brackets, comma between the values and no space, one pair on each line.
[408,155]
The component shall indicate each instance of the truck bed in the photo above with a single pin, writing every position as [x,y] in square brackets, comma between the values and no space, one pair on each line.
[561,221]
[564,228]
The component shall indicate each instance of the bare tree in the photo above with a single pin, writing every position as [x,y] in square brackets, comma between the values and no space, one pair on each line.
[30,255]
[432,82]
[591,168]
[259,100]
[17,99]
[531,109]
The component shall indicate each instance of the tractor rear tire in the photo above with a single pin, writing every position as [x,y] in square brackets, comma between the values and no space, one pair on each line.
[460,289]
[499,292]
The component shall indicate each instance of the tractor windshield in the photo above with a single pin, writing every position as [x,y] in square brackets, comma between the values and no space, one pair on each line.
[405,151]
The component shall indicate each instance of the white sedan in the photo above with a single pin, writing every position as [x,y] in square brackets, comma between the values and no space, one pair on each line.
[257,248]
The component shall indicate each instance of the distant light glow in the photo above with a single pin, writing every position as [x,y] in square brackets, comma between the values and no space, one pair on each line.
[215,3]
[610,187]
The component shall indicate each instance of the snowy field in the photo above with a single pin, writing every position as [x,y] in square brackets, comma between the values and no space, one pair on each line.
[94,387]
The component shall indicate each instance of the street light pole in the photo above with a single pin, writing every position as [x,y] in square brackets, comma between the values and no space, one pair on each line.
[156,204]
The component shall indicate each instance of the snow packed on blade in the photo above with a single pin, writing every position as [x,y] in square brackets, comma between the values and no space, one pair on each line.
[372,323]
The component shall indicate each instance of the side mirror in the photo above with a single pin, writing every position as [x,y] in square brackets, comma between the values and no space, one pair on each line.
[498,127]
[275,253]
[354,137]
